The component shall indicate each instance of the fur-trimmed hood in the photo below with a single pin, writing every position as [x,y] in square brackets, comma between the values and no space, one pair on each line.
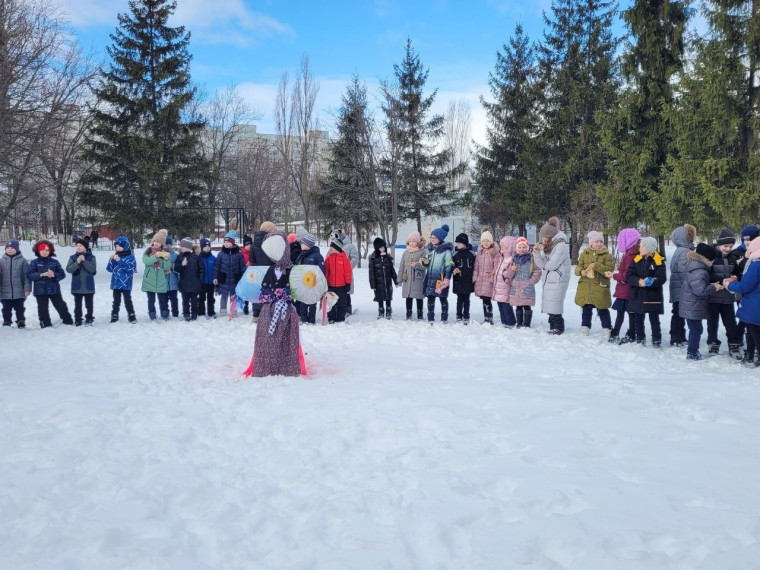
[694,256]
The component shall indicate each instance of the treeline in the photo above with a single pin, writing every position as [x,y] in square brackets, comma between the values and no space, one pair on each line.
[653,129]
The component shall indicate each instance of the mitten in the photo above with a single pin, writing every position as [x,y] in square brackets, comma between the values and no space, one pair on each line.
[404,277]
[442,286]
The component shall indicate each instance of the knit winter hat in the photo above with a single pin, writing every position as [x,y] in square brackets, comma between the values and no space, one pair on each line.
[378,243]
[299,232]
[726,237]
[308,238]
[247,240]
[627,238]
[522,240]
[44,244]
[486,235]
[169,241]
[12,243]
[231,235]
[753,249]
[204,242]
[274,246]
[83,242]
[186,242]
[550,228]
[706,251]
[414,236]
[441,232]
[463,239]
[160,236]
[650,243]
[751,232]
[593,236]
[267,227]
[291,237]
[336,244]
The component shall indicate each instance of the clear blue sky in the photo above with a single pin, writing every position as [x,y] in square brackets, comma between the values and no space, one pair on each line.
[251,43]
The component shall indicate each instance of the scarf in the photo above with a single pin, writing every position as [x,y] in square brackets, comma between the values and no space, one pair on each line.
[411,249]
[154,251]
[522,258]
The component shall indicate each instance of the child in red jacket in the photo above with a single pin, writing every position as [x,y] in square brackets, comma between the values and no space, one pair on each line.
[338,274]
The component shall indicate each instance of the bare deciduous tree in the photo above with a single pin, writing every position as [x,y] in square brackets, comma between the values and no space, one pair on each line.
[456,139]
[296,123]
[41,76]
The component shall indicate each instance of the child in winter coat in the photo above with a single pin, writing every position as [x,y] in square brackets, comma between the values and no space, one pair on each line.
[338,274]
[748,234]
[154,283]
[749,306]
[552,255]
[464,269]
[694,292]
[15,286]
[190,269]
[646,275]
[122,266]
[440,264]
[206,300]
[503,281]
[523,275]
[595,266]
[683,238]
[628,245]
[310,255]
[229,268]
[721,303]
[412,274]
[172,279]
[486,262]
[82,266]
[382,278]
[46,274]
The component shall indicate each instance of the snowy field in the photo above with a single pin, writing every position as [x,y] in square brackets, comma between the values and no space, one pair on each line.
[406,447]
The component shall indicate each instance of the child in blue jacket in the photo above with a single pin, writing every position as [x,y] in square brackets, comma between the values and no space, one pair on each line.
[122,266]
[206,302]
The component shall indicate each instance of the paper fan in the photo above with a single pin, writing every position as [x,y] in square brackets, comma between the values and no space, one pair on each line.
[307,284]
[249,286]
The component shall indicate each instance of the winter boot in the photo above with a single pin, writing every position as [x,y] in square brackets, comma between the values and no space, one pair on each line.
[7,323]
[114,318]
[606,334]
[88,321]
[734,351]
[714,348]
[222,312]
[527,318]
[388,313]
[585,331]
[626,339]
[520,319]
[656,343]
[78,323]
[152,315]
[21,324]
[409,315]
[693,356]
[132,319]
[419,315]
[641,341]
[613,336]
[380,313]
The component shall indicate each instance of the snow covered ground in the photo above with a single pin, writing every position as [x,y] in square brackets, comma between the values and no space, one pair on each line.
[406,447]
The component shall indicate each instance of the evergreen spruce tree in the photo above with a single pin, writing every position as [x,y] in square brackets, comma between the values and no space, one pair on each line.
[147,171]
[349,191]
[717,169]
[638,134]
[579,81]
[505,167]
[422,168]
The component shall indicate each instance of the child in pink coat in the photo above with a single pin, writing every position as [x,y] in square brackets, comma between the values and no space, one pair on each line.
[524,275]
[503,281]
[486,261]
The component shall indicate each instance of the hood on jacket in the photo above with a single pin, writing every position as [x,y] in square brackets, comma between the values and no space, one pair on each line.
[510,242]
[377,244]
[123,242]
[694,256]
[258,238]
[681,237]
[441,247]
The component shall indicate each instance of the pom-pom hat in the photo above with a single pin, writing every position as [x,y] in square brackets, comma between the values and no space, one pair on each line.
[550,228]
[441,232]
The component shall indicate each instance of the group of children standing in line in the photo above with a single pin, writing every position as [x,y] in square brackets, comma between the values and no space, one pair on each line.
[706,281]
